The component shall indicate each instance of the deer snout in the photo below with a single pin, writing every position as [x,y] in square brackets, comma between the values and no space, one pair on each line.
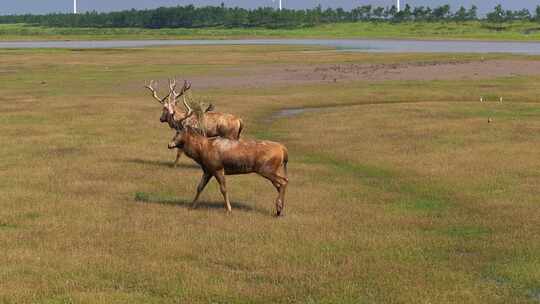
[172,145]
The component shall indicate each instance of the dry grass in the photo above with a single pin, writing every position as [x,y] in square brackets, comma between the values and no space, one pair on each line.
[402,193]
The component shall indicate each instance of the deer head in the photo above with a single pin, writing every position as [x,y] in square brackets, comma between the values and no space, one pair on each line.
[168,102]
[183,135]
[168,108]
[178,140]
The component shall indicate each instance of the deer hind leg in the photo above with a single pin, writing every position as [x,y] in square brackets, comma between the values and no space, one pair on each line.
[178,155]
[285,182]
[280,183]
[220,176]
[204,181]
[280,200]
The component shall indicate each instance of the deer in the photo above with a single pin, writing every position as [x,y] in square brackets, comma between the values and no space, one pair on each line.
[218,157]
[216,124]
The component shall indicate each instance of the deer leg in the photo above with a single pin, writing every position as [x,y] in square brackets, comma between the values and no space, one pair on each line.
[204,181]
[281,198]
[220,176]
[178,155]
[280,183]
[284,183]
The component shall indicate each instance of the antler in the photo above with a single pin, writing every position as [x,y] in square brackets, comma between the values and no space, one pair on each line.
[172,93]
[185,87]
[154,93]
[172,86]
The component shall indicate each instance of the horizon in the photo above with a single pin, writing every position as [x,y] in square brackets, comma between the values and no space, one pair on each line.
[66,6]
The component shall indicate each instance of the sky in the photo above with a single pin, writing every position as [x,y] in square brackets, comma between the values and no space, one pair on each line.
[48,6]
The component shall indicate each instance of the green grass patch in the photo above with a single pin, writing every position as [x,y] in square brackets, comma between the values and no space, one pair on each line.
[423,205]
[160,198]
[414,196]
[22,119]
[5,225]
[267,134]
[506,110]
[521,30]
[358,170]
[465,232]
[521,272]
[32,215]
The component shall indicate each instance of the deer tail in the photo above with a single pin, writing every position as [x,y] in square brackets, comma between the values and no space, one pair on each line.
[240,128]
[285,161]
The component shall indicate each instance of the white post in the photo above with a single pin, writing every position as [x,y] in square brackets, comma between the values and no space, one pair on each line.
[280,7]
[398,6]
[74,6]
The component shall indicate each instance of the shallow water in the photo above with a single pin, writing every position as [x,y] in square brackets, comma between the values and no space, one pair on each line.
[287,113]
[384,46]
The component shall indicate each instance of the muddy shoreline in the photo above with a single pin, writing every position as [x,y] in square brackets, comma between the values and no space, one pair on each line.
[286,75]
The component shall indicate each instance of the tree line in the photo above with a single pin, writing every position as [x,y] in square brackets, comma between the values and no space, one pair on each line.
[221,16]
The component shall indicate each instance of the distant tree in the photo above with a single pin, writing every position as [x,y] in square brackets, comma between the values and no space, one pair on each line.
[509,15]
[472,13]
[429,14]
[441,12]
[378,13]
[365,12]
[461,14]
[405,14]
[498,14]
[523,14]
[191,16]
[389,13]
[313,16]
[420,13]
[537,16]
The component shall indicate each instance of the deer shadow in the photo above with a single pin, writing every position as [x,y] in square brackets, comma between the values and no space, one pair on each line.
[160,163]
[201,205]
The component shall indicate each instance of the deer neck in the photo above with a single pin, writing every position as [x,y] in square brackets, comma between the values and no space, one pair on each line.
[178,114]
[195,145]
[171,121]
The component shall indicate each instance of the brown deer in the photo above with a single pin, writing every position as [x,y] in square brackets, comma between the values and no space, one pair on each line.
[216,124]
[222,156]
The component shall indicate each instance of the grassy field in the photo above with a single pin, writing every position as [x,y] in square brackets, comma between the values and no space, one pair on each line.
[521,31]
[400,192]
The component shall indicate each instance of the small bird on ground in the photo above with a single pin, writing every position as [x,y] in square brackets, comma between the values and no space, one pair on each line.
[490,120]
[481,99]
[500,99]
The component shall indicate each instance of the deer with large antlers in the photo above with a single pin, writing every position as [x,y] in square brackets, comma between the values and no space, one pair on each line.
[222,156]
[215,124]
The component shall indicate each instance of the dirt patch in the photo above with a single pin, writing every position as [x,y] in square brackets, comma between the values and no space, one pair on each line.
[261,76]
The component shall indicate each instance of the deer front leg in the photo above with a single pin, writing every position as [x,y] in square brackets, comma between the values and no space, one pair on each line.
[178,155]
[220,176]
[204,181]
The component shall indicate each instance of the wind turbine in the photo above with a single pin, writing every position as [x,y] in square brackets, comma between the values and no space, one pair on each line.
[280,7]
[398,6]
[74,6]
